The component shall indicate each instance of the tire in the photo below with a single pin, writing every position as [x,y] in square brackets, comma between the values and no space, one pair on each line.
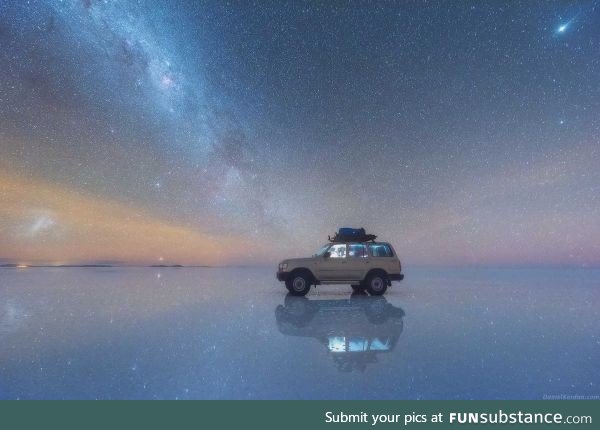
[377,283]
[298,283]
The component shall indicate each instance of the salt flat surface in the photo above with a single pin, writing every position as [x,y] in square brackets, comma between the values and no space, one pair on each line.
[231,333]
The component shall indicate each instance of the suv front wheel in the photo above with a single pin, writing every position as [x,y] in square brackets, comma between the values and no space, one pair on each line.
[377,283]
[298,284]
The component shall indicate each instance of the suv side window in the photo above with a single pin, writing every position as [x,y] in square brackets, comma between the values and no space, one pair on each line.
[338,251]
[380,250]
[356,250]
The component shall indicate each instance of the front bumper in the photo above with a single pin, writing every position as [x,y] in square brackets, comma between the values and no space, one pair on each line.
[396,276]
[282,276]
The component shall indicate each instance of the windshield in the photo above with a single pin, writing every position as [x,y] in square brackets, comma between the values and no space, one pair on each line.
[321,251]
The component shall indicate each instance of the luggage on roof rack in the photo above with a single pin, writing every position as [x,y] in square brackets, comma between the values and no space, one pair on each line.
[347,234]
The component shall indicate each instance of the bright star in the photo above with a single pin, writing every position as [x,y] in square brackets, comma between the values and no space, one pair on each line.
[564,27]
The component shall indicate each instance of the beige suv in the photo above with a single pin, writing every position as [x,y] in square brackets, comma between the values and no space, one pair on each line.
[370,266]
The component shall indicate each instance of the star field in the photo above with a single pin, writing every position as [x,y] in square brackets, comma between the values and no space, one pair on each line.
[236,132]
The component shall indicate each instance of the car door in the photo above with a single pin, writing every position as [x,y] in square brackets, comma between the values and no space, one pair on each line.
[358,261]
[334,267]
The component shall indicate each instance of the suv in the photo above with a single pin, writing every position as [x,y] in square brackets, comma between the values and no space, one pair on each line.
[370,266]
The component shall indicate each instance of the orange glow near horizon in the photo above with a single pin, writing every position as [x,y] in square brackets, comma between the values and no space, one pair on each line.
[49,224]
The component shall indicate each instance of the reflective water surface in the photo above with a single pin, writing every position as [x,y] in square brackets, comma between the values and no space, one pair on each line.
[234,333]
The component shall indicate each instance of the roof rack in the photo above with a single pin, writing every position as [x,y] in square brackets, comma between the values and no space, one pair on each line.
[360,239]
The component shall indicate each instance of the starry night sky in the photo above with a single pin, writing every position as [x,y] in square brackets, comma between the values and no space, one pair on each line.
[245,132]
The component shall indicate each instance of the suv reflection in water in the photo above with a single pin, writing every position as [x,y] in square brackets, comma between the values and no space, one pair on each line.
[354,330]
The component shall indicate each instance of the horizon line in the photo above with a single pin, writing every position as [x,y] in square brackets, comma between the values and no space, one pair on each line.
[421,265]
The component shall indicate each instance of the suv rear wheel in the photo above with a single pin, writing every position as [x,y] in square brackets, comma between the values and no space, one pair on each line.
[298,284]
[377,283]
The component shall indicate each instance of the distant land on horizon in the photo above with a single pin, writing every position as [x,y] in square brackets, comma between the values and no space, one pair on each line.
[16,265]
[176,266]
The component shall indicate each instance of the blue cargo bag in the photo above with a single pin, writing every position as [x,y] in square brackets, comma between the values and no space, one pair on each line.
[351,232]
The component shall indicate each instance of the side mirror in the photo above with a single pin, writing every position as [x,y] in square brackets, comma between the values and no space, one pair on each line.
[327,254]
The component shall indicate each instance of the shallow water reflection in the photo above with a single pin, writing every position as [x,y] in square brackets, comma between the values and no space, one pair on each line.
[232,333]
[353,330]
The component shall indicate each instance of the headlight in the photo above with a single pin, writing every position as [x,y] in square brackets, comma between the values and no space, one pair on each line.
[282,266]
